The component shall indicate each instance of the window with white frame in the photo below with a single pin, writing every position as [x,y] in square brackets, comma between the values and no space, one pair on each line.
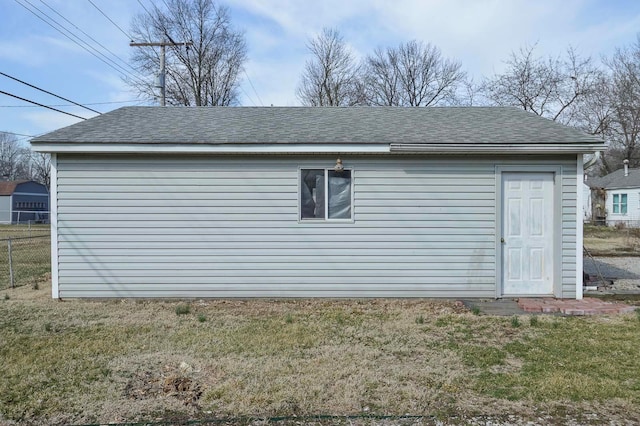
[620,203]
[325,194]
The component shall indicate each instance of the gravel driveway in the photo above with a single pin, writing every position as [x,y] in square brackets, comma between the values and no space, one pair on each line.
[623,271]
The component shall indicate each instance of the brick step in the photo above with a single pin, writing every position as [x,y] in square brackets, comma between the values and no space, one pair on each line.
[587,306]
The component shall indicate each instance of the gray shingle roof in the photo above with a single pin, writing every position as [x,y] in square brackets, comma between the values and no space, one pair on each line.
[616,180]
[312,125]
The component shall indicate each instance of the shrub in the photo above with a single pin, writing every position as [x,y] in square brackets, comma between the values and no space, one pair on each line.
[183,309]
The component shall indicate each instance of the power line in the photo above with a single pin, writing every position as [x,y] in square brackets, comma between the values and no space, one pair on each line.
[66,105]
[93,39]
[60,30]
[17,134]
[44,106]
[163,45]
[254,89]
[48,92]
[173,43]
[110,20]
[145,8]
[121,70]
[248,97]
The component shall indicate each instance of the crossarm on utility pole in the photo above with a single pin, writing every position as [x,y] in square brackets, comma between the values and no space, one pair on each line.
[162,45]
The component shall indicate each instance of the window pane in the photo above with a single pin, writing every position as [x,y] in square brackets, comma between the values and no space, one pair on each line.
[623,206]
[339,194]
[312,194]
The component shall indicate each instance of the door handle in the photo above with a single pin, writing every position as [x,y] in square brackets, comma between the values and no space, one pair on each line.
[502,240]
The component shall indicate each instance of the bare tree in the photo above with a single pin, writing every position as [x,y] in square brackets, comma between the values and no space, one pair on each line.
[206,73]
[593,112]
[549,87]
[40,165]
[382,79]
[623,97]
[412,74]
[14,158]
[331,76]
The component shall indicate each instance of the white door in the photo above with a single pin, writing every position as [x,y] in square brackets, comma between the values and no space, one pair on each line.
[527,233]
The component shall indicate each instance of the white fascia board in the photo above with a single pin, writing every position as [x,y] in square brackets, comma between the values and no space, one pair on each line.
[108,148]
[494,148]
[53,220]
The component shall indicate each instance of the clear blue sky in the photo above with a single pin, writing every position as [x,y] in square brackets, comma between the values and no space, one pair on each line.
[479,33]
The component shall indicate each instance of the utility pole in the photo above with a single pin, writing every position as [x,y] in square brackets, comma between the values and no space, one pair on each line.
[163,45]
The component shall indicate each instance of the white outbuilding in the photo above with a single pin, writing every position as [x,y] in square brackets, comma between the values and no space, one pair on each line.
[317,202]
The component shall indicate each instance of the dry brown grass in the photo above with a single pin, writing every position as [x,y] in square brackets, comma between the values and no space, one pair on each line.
[22,230]
[127,360]
[30,254]
[611,241]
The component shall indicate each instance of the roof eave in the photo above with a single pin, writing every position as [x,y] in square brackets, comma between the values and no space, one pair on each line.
[302,148]
[163,148]
[575,148]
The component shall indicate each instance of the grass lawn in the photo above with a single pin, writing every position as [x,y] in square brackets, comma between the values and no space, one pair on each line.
[31,257]
[611,241]
[22,230]
[126,360]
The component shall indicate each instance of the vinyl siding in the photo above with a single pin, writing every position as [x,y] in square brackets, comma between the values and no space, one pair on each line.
[570,211]
[183,226]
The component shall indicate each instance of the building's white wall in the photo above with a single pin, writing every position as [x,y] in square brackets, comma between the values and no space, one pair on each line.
[5,208]
[632,217]
[143,226]
[569,210]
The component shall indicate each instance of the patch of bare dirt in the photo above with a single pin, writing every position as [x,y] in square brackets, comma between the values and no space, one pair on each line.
[152,384]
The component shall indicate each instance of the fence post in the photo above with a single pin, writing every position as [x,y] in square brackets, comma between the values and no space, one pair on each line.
[10,266]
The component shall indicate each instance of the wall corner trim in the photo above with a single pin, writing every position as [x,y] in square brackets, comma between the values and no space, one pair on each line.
[53,219]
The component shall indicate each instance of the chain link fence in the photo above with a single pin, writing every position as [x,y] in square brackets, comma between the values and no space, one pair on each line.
[25,256]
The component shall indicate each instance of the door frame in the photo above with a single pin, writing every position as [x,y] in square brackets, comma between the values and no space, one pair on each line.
[557,226]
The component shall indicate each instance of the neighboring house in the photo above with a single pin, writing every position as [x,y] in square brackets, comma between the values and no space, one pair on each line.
[317,202]
[619,195]
[23,201]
